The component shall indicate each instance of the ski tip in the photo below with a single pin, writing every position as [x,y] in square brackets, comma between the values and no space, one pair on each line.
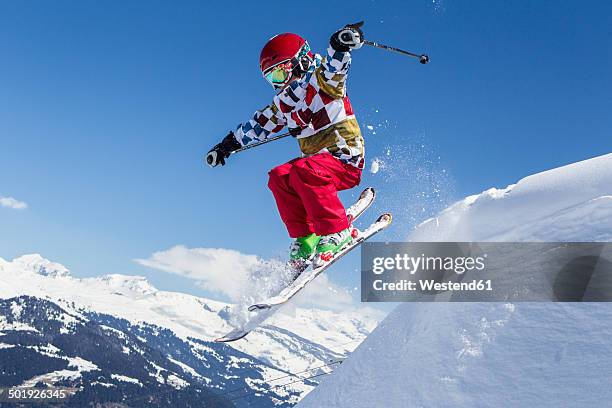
[368,190]
[260,306]
[229,339]
[224,340]
[386,217]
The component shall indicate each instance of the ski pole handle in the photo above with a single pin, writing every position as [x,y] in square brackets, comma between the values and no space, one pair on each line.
[423,59]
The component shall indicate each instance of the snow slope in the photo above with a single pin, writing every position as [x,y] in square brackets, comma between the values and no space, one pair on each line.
[493,354]
[292,341]
[570,203]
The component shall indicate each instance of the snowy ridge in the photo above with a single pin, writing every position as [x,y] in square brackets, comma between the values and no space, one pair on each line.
[33,264]
[135,299]
[570,203]
[493,354]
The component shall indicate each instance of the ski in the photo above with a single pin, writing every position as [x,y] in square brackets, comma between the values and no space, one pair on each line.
[252,324]
[234,335]
[269,307]
[364,201]
[306,277]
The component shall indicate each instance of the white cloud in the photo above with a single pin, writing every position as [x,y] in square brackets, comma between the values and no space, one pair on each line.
[10,202]
[217,269]
[239,276]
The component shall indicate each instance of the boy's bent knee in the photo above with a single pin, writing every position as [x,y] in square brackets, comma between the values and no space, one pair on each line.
[278,175]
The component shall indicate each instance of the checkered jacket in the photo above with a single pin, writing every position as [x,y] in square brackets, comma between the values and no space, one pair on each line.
[316,110]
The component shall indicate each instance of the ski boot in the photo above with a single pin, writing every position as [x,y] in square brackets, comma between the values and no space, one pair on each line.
[301,253]
[331,244]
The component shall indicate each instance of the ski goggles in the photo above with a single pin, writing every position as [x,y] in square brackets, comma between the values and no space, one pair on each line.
[279,74]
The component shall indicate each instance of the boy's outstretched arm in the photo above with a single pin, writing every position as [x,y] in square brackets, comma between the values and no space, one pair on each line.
[264,123]
[331,75]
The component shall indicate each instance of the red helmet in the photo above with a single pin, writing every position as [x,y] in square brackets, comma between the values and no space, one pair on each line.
[283,57]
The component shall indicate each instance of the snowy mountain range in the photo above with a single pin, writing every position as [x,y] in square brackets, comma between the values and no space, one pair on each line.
[494,354]
[119,337]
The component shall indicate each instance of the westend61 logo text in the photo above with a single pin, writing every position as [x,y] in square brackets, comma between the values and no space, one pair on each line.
[414,264]
[486,271]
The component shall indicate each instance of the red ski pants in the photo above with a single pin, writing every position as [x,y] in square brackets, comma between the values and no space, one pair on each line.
[306,193]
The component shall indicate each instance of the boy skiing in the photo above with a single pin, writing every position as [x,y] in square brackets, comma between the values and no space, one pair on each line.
[312,102]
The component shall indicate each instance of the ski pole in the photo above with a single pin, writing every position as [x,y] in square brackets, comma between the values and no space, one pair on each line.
[210,158]
[423,59]
[268,140]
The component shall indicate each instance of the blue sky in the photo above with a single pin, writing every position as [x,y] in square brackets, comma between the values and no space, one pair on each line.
[106,109]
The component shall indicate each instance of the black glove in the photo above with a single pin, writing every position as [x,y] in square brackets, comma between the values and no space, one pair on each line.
[222,151]
[350,37]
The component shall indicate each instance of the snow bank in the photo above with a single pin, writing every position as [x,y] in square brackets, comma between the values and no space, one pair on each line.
[493,354]
[477,354]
